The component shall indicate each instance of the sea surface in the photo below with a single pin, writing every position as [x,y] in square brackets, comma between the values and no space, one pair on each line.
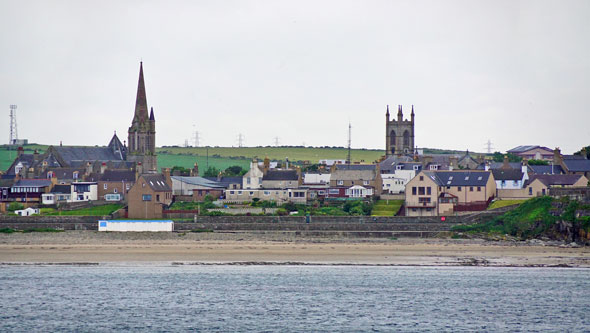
[225,298]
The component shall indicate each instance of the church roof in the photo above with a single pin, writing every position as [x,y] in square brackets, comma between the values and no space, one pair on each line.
[79,154]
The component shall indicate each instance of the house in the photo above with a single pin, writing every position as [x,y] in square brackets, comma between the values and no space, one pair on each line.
[316,178]
[150,194]
[27,211]
[347,176]
[84,191]
[59,193]
[532,152]
[113,185]
[280,196]
[510,178]
[433,193]
[253,178]
[542,184]
[281,179]
[395,178]
[196,187]
[29,190]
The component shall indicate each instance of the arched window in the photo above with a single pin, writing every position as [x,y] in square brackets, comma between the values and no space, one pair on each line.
[392,138]
[406,139]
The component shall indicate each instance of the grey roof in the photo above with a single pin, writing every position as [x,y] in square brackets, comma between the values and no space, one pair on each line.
[33,183]
[353,175]
[27,161]
[281,175]
[199,181]
[459,178]
[64,189]
[577,165]
[355,166]
[525,148]
[73,154]
[117,176]
[117,147]
[499,165]
[157,182]
[546,169]
[507,174]
[67,173]
[225,181]
[551,180]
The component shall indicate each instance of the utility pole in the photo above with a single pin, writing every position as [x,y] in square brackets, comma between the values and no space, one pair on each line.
[348,160]
[13,130]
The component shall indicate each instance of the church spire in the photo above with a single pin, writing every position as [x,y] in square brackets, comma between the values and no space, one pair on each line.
[141,111]
[152,114]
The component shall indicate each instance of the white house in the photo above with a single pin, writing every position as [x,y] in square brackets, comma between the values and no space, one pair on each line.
[27,211]
[316,178]
[510,179]
[396,178]
[358,191]
[253,178]
[84,191]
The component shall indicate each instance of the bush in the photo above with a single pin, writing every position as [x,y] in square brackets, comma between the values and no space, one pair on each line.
[15,206]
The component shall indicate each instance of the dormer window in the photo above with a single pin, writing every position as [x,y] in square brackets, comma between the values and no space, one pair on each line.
[416,167]
[400,167]
[75,175]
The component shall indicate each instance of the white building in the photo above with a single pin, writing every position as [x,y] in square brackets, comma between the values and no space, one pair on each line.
[135,225]
[253,178]
[316,178]
[358,191]
[27,211]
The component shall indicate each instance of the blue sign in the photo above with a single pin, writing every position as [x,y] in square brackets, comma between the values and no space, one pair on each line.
[103,224]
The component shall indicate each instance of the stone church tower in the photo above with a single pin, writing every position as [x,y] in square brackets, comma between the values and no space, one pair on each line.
[399,134]
[142,133]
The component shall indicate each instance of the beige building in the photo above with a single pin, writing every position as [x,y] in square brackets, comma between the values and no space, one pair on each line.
[150,194]
[365,175]
[433,193]
[279,196]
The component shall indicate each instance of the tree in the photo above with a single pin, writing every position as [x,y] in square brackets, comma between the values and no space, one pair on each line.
[584,151]
[15,206]
[499,157]
[234,170]
[211,172]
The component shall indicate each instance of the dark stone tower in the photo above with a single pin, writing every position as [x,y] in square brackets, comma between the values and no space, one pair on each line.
[399,134]
[142,133]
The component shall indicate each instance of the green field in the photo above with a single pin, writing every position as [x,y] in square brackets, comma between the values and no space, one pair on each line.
[294,154]
[386,207]
[188,161]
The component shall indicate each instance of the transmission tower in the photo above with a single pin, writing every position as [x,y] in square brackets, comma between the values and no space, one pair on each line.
[489,146]
[276,141]
[13,131]
[197,139]
[241,140]
[349,143]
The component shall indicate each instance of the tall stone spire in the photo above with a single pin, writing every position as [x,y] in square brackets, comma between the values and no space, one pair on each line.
[141,109]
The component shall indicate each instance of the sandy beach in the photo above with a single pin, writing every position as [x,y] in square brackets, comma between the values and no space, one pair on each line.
[88,247]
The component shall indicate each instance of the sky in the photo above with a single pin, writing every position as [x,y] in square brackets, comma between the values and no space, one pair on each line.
[512,72]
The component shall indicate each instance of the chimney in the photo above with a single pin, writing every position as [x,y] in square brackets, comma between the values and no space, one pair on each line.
[557,156]
[487,166]
[506,164]
[103,167]
[453,162]
[138,170]
[166,173]
[195,170]
[219,176]
[266,164]
[36,156]
[299,178]
[88,168]
[426,160]
[286,163]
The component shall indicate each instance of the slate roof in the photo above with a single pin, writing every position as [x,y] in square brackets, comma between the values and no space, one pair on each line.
[498,165]
[355,167]
[67,173]
[33,183]
[577,165]
[551,180]
[26,159]
[73,154]
[281,175]
[117,176]
[157,182]
[353,175]
[525,148]
[64,189]
[507,174]
[459,178]
[546,169]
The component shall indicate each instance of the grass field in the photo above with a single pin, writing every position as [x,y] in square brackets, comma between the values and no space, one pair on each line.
[504,203]
[92,211]
[386,207]
[187,161]
[279,153]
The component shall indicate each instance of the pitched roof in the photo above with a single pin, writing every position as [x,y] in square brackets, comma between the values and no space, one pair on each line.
[459,178]
[64,189]
[157,182]
[117,176]
[551,180]
[577,165]
[200,181]
[356,166]
[80,154]
[546,169]
[507,174]
[225,181]
[33,183]
[66,173]
[353,175]
[281,175]
[525,148]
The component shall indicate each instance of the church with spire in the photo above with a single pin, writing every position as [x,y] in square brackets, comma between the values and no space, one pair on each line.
[142,133]
[399,134]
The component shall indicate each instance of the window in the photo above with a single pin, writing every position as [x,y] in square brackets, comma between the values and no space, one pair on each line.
[530,191]
[267,193]
[105,186]
[115,190]
[157,197]
[340,182]
[146,197]
[75,175]
[127,187]
[231,192]
[424,200]
[248,181]
[459,188]
[333,191]
[479,189]
[239,192]
[503,183]
[142,184]
[413,190]
[429,190]
[251,193]
[399,167]
[365,182]
[421,190]
[470,188]
[421,178]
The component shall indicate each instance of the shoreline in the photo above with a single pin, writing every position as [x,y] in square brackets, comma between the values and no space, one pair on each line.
[84,248]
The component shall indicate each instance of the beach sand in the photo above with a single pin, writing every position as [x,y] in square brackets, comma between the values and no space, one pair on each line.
[90,247]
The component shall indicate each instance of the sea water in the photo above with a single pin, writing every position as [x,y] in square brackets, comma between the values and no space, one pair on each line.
[228,298]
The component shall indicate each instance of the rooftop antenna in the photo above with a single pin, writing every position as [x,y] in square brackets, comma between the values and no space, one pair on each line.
[13,131]
[349,143]
[489,146]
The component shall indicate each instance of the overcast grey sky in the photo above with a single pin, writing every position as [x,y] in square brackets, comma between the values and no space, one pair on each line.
[514,72]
